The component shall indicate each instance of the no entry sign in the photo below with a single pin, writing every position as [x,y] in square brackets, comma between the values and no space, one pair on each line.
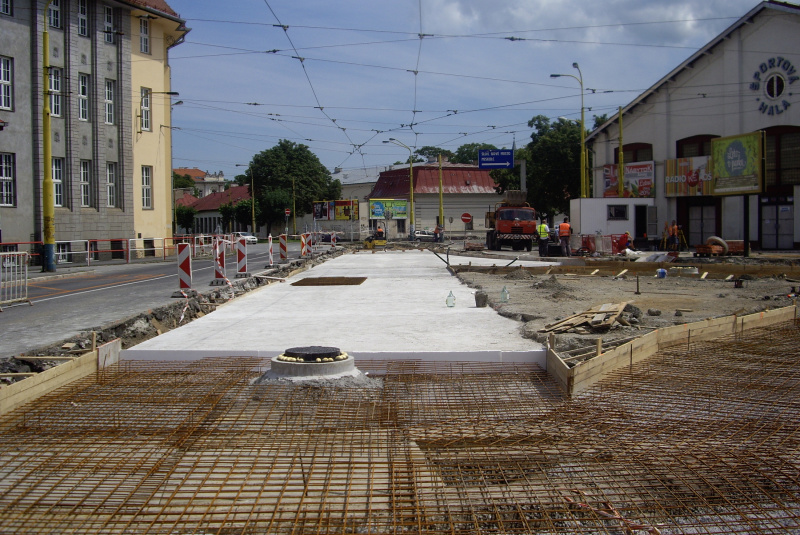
[466,218]
[287,212]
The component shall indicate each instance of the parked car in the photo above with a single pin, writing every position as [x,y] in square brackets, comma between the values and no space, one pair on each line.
[249,239]
[424,235]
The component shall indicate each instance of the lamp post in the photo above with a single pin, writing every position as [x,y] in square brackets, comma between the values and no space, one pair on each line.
[252,198]
[410,182]
[579,78]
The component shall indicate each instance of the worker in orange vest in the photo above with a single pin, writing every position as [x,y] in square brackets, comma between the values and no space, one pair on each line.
[564,232]
[673,236]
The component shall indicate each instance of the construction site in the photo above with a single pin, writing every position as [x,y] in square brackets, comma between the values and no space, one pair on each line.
[690,426]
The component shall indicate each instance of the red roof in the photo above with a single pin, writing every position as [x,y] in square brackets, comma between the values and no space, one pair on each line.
[194,173]
[465,179]
[212,202]
[158,5]
[186,200]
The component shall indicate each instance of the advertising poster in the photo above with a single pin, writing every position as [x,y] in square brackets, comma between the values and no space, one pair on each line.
[388,209]
[638,181]
[736,164]
[688,177]
[346,210]
[323,210]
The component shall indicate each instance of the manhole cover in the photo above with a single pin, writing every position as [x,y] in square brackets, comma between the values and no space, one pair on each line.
[330,281]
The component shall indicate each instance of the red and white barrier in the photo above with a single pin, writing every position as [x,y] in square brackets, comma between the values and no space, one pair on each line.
[184,270]
[219,263]
[241,259]
[282,242]
[333,240]
[303,245]
[269,238]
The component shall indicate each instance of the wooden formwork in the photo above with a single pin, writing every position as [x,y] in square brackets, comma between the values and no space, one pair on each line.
[582,376]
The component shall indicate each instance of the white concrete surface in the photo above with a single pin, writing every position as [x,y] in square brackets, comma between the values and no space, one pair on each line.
[398,312]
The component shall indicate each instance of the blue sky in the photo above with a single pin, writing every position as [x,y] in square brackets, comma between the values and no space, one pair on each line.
[343,76]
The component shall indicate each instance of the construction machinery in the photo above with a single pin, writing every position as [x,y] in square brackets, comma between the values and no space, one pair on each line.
[377,240]
[513,222]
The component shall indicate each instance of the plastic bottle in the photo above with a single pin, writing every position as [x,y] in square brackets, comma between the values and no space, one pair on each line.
[504,295]
[451,299]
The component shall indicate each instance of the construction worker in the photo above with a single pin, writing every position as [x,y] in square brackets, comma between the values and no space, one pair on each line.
[564,232]
[673,236]
[544,237]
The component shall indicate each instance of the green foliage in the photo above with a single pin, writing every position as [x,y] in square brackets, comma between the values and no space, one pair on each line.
[289,171]
[429,152]
[182,181]
[226,215]
[243,214]
[469,153]
[184,217]
[599,120]
[554,164]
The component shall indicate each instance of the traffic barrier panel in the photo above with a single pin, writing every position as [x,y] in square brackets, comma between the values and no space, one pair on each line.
[14,278]
[269,239]
[303,245]
[184,270]
[218,252]
[241,259]
[333,240]
[282,246]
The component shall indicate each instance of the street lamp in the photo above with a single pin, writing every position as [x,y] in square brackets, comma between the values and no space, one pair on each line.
[579,78]
[252,198]
[410,182]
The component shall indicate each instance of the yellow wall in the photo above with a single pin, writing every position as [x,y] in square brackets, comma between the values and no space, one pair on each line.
[152,148]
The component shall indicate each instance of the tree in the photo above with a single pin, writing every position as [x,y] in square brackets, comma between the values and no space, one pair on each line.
[184,217]
[184,182]
[469,153]
[554,169]
[271,208]
[295,171]
[226,215]
[429,152]
[599,120]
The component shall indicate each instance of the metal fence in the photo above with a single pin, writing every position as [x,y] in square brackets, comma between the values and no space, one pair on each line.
[13,278]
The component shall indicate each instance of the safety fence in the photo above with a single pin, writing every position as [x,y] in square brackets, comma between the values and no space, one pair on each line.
[13,278]
[599,244]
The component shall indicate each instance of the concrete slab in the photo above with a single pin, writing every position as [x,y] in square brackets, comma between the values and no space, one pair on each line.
[398,312]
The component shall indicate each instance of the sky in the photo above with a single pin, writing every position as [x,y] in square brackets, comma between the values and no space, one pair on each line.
[342,77]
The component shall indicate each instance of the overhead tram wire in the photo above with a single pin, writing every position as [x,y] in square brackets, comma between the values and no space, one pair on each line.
[308,78]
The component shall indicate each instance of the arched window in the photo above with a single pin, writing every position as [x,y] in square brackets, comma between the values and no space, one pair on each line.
[783,156]
[635,152]
[689,147]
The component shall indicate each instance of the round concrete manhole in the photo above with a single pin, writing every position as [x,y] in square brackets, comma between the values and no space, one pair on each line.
[312,361]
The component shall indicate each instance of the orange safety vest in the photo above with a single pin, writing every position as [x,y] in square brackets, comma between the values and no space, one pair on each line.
[563,229]
[673,231]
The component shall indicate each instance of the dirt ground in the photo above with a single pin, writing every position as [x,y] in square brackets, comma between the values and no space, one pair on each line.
[538,300]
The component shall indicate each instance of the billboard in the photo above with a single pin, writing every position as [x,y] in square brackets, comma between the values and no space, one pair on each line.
[335,210]
[388,209]
[737,164]
[638,181]
[688,177]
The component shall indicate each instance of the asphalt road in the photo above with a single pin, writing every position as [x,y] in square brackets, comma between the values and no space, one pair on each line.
[79,299]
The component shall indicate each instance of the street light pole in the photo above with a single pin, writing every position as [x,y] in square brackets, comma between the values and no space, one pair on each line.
[411,184]
[48,188]
[579,78]
[252,198]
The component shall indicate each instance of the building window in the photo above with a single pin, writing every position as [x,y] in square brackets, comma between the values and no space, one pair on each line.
[54,14]
[635,152]
[83,97]
[144,36]
[6,87]
[108,23]
[86,183]
[111,184]
[5,7]
[147,187]
[83,18]
[55,92]
[691,147]
[617,212]
[63,253]
[58,181]
[8,195]
[145,118]
[783,156]
[109,101]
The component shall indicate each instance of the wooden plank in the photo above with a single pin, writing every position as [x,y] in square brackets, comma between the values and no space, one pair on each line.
[621,273]
[18,374]
[59,357]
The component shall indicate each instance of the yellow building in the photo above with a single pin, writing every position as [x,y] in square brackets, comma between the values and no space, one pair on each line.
[155,29]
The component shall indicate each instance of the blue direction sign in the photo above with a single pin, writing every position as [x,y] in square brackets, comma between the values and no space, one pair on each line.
[496,159]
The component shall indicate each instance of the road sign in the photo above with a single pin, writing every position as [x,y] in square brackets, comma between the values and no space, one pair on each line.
[496,159]
[287,212]
[466,218]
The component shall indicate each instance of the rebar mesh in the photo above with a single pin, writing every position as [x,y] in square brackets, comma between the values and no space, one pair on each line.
[697,439]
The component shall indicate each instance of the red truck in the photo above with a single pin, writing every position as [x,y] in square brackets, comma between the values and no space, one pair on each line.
[513,223]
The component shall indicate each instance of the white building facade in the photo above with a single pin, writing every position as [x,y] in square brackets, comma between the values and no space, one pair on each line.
[745,80]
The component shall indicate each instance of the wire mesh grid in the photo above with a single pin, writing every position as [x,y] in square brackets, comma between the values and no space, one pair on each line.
[701,438]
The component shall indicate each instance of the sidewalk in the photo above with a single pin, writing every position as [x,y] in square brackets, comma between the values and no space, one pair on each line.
[398,310]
